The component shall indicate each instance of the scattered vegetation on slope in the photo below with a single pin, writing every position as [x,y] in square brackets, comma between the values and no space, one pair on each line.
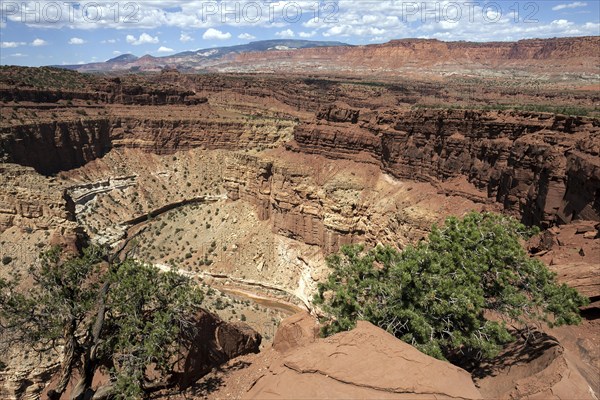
[435,295]
[45,77]
[124,315]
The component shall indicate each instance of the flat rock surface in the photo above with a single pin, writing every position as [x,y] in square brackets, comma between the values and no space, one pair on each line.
[366,362]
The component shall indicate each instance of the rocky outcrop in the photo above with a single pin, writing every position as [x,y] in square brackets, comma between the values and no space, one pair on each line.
[366,362]
[332,203]
[532,163]
[289,198]
[536,366]
[24,204]
[296,331]
[572,252]
[214,343]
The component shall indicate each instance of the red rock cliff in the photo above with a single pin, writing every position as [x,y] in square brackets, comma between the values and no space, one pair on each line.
[542,167]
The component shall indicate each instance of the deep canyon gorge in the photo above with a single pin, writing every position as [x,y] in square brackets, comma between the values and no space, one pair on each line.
[247,182]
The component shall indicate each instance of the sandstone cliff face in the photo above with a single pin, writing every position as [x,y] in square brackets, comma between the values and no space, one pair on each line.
[542,168]
[533,164]
[167,136]
[421,57]
[291,200]
[49,147]
[330,203]
[23,204]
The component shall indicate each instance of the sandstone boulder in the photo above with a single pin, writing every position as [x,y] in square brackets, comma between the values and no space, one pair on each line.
[213,343]
[366,362]
[296,331]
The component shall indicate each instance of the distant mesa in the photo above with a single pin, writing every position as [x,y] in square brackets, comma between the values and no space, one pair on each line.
[403,57]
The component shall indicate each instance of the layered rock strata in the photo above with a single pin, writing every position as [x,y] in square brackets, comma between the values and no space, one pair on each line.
[541,167]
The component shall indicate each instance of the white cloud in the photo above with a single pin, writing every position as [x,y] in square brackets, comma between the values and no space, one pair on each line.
[39,42]
[76,40]
[215,34]
[11,45]
[349,30]
[150,15]
[109,41]
[575,4]
[163,49]
[369,19]
[288,33]
[246,36]
[18,55]
[185,37]
[359,20]
[307,34]
[447,25]
[116,52]
[378,39]
[143,39]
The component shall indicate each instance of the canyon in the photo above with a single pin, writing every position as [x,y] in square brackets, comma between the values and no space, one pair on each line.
[247,182]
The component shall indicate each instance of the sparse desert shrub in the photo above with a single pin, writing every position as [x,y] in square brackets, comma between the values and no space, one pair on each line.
[6,260]
[434,295]
[63,305]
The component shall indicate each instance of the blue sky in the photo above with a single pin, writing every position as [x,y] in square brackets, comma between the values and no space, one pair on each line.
[63,32]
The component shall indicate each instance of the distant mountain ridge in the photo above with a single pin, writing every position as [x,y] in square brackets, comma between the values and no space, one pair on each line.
[123,58]
[197,59]
[553,59]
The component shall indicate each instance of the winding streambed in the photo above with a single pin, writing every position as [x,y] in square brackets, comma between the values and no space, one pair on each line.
[264,294]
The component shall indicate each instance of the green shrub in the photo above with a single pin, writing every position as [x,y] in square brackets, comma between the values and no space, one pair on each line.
[434,295]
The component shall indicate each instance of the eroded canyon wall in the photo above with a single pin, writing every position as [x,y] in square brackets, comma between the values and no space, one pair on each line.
[542,167]
[297,206]
[50,147]
[53,146]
